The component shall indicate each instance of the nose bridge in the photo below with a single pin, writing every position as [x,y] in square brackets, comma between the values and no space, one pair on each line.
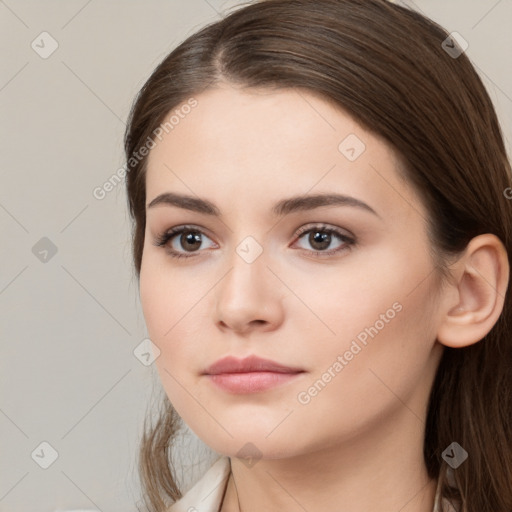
[248,291]
[247,271]
[248,257]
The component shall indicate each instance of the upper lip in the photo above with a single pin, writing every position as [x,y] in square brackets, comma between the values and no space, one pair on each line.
[253,363]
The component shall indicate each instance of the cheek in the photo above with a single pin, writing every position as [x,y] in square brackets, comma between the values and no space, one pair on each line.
[381,356]
[161,306]
[151,298]
[374,287]
[172,301]
[379,318]
[166,294]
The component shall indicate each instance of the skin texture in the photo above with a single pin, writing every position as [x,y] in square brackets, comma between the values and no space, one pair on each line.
[356,445]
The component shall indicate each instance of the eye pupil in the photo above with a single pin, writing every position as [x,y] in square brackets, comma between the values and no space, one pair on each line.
[191,237]
[320,237]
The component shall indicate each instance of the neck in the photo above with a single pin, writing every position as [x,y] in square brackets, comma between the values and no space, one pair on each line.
[374,471]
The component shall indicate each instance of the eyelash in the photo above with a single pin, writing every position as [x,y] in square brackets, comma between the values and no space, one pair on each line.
[163,239]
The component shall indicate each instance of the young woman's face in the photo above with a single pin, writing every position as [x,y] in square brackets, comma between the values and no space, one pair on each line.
[343,290]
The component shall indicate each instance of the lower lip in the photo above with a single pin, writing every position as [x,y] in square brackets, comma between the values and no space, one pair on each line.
[251,382]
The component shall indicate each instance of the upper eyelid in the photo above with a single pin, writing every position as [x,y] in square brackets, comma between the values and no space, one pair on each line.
[304,228]
[326,227]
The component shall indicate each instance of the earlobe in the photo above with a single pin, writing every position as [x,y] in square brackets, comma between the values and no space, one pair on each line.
[474,300]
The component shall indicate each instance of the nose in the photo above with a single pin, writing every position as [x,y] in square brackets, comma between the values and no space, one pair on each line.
[249,297]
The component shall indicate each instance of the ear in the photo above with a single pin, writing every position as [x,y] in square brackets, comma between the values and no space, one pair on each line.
[473,300]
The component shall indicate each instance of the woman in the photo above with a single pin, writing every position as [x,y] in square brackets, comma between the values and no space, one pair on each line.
[322,237]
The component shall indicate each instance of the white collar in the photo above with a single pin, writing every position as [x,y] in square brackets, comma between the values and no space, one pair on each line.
[207,493]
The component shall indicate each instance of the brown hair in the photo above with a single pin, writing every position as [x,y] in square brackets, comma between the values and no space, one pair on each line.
[385,65]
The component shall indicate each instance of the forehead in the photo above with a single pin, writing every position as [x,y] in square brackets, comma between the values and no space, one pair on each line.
[247,145]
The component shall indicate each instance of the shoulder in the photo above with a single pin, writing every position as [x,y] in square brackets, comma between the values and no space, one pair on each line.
[206,494]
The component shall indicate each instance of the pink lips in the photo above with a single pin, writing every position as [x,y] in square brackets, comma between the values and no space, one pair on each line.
[249,375]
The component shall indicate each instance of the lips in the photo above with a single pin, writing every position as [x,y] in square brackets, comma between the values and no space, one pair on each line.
[250,375]
[249,364]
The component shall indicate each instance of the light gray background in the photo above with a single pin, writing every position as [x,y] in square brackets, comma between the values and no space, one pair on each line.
[69,325]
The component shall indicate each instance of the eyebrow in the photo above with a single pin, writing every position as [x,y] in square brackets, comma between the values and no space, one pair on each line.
[282,207]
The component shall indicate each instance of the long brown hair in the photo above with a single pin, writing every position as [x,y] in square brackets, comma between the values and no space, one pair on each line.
[387,66]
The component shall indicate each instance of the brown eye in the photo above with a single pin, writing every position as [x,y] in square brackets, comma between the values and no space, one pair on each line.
[320,238]
[190,240]
[181,240]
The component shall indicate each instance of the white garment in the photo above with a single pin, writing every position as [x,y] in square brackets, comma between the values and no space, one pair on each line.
[206,494]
